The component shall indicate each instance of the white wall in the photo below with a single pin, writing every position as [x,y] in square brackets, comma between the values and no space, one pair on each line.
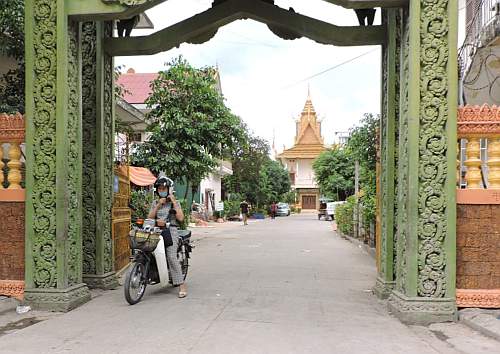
[213,183]
[304,175]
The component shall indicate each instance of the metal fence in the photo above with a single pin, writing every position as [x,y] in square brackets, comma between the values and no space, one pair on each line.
[483,19]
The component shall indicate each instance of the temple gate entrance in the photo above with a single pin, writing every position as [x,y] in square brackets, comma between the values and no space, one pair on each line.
[69,85]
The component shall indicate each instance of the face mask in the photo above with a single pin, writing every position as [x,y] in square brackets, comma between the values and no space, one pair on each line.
[163,194]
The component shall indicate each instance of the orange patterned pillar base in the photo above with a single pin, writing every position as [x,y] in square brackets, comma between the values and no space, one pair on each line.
[13,288]
[486,298]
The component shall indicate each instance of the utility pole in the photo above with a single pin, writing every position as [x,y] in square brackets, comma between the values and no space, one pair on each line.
[356,207]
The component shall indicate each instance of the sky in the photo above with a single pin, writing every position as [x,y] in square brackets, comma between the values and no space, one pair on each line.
[265,79]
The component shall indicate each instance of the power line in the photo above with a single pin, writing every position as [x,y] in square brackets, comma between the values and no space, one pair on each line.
[329,69]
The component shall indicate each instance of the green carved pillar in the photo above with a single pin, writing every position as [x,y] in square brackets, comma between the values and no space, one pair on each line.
[53,161]
[98,105]
[425,267]
[388,119]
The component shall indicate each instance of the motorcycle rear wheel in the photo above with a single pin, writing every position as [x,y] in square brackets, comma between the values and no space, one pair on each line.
[135,283]
[182,256]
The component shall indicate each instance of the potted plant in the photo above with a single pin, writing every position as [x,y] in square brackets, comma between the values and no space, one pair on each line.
[140,203]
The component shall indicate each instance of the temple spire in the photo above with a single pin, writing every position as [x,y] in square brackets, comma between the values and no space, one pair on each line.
[308,128]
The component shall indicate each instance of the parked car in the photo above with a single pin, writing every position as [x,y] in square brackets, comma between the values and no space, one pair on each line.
[283,209]
[322,210]
[327,209]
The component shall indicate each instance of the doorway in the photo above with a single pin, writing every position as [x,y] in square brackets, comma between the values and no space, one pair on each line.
[308,202]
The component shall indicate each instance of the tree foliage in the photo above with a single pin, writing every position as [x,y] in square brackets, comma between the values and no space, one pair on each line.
[12,28]
[362,146]
[278,181]
[248,160]
[255,176]
[334,172]
[190,128]
[12,45]
[344,216]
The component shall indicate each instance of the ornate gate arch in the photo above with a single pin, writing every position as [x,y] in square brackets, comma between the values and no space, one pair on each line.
[69,85]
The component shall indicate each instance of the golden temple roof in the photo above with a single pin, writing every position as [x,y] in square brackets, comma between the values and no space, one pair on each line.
[308,140]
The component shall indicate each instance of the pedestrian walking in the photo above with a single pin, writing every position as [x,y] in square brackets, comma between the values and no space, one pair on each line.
[244,211]
[274,208]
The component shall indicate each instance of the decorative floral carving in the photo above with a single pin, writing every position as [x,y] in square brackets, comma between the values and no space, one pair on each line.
[43,245]
[74,158]
[485,298]
[422,305]
[383,155]
[109,150]
[12,128]
[66,299]
[14,288]
[478,121]
[396,138]
[89,120]
[433,148]
[402,191]
[127,2]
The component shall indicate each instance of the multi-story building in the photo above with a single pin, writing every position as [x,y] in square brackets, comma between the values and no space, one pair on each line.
[298,159]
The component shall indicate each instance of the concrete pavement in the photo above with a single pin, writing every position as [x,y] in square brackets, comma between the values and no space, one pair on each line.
[289,285]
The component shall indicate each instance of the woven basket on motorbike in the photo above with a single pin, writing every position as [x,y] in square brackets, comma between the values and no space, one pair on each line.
[145,241]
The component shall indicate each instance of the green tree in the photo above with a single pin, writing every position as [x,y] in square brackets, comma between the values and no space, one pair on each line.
[277,181]
[334,171]
[190,127]
[362,146]
[248,159]
[12,45]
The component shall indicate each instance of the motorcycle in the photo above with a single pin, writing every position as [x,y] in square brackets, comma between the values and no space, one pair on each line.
[149,262]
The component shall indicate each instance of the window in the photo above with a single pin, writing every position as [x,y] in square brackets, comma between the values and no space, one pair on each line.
[136,137]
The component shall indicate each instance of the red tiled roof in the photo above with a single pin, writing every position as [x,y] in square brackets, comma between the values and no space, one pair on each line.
[137,86]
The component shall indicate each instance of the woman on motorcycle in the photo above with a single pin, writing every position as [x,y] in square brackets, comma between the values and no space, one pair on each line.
[162,211]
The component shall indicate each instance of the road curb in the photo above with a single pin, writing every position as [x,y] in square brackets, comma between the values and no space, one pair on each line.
[486,322]
[7,304]
[360,244]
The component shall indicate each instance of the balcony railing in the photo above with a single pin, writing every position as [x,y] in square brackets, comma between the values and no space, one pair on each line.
[483,20]
[12,134]
[479,147]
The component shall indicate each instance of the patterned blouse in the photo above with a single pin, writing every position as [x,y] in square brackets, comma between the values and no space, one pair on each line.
[163,213]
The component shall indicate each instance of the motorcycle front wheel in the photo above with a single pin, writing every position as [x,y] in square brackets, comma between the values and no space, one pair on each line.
[135,283]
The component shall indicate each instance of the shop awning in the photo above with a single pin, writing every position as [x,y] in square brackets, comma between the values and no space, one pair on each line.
[141,176]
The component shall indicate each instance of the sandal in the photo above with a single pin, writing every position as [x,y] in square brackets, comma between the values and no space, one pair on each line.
[182,294]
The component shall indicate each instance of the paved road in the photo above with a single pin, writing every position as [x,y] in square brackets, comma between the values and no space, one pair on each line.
[285,286]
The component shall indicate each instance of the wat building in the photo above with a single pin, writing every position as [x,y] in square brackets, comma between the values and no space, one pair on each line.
[298,159]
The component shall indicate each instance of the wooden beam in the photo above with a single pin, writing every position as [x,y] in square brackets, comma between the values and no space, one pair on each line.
[316,30]
[209,21]
[369,4]
[98,10]
[86,10]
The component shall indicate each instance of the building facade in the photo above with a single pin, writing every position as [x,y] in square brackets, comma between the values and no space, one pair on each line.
[137,90]
[298,159]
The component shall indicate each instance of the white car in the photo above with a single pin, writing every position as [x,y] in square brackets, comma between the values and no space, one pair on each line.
[283,209]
